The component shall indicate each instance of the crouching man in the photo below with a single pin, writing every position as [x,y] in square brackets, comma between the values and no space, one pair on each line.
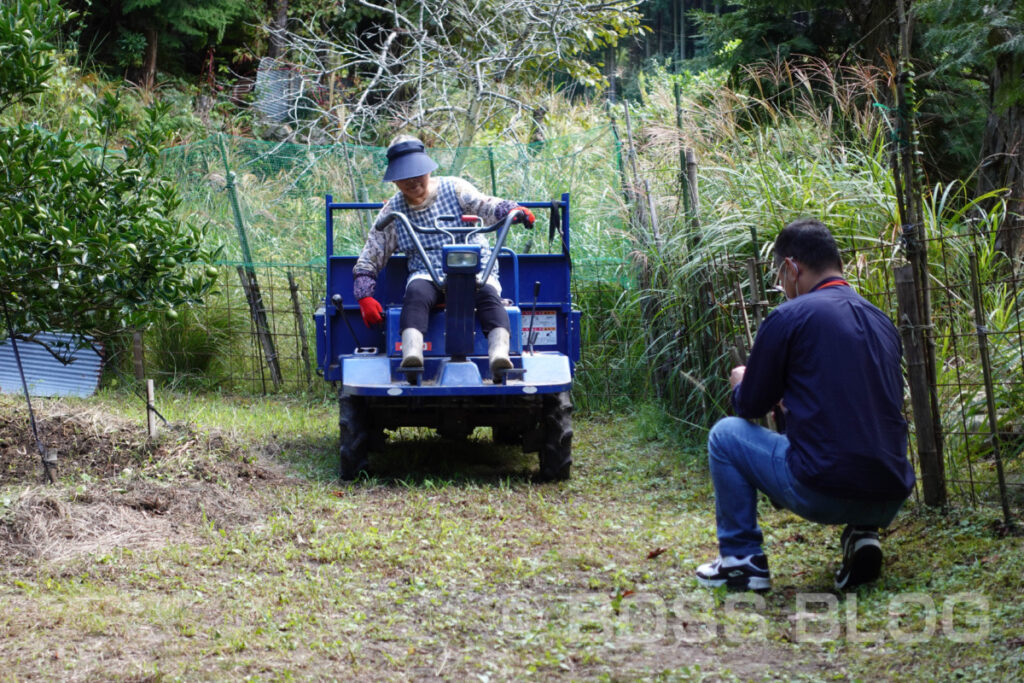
[831,360]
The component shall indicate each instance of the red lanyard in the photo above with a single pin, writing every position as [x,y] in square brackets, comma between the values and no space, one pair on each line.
[833,283]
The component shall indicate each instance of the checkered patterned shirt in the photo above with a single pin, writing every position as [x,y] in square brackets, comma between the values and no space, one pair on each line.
[454,197]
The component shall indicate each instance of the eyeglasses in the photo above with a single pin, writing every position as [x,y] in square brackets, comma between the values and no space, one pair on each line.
[778,279]
[778,276]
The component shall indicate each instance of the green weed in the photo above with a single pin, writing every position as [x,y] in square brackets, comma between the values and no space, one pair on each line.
[448,573]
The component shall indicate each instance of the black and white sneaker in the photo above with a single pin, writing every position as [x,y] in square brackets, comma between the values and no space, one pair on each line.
[862,557]
[747,573]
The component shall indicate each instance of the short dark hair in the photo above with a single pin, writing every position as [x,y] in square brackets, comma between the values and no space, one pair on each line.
[808,241]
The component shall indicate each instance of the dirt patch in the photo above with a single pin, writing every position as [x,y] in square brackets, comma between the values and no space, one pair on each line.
[117,488]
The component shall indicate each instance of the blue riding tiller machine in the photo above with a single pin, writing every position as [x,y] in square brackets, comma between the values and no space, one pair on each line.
[454,392]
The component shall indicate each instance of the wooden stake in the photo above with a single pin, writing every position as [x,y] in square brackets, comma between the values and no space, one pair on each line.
[655,232]
[691,182]
[300,325]
[756,298]
[258,313]
[990,400]
[744,353]
[933,478]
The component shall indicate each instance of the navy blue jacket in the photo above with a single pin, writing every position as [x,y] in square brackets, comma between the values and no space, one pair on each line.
[834,360]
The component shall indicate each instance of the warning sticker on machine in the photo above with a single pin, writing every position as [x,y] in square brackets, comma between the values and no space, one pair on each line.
[545,328]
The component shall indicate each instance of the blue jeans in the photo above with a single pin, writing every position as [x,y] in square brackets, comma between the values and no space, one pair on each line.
[746,458]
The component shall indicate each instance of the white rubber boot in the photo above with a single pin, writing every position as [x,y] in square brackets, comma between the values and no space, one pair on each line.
[412,348]
[497,349]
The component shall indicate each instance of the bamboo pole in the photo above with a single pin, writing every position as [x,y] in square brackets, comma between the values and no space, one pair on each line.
[620,164]
[762,291]
[258,313]
[746,343]
[250,283]
[494,175]
[933,479]
[990,401]
[639,219]
[912,216]
[631,150]
[655,231]
[707,295]
[756,291]
[684,187]
[691,183]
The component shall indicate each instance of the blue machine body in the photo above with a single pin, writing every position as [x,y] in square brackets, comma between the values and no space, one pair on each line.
[366,361]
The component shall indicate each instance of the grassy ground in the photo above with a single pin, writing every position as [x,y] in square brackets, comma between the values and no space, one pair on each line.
[226,550]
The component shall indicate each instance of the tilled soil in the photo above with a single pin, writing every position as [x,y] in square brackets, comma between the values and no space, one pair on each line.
[115,486]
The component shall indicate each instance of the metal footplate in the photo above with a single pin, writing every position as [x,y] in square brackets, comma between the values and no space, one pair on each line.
[413,376]
[503,376]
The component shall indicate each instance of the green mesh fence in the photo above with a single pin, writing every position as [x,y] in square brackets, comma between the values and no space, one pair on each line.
[281,189]
[264,203]
[627,354]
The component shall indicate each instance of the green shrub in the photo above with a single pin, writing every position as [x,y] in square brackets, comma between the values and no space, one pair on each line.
[194,349]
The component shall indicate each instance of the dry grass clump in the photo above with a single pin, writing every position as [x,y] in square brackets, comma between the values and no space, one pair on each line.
[117,488]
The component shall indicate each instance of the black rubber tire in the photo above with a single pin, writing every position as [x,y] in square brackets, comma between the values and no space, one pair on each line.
[556,451]
[354,437]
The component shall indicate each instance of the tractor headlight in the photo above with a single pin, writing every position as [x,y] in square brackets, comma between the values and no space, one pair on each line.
[462,259]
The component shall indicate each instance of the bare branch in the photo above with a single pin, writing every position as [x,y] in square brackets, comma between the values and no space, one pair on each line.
[61,352]
[447,68]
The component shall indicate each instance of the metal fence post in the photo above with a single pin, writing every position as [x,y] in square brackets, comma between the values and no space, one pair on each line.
[247,275]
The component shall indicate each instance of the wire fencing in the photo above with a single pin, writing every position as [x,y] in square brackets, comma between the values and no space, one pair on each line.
[651,329]
[263,202]
[976,296]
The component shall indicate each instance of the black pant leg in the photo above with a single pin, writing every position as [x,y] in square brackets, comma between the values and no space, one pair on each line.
[423,295]
[420,297]
[490,310]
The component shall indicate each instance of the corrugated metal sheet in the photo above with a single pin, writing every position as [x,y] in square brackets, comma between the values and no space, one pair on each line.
[277,88]
[47,376]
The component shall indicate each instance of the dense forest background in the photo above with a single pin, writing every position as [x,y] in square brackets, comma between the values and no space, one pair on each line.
[965,59]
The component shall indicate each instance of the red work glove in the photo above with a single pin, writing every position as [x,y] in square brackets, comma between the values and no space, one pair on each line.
[527,217]
[373,313]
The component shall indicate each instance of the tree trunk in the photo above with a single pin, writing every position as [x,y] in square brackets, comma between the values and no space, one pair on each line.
[469,127]
[149,64]
[278,26]
[679,24]
[1002,147]
[874,19]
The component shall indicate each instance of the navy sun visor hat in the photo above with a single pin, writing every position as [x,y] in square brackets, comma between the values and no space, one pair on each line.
[407,159]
